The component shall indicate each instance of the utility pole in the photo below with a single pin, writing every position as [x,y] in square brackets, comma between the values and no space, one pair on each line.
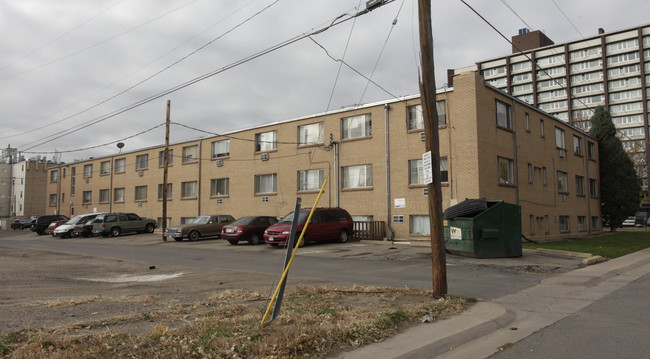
[166,162]
[430,115]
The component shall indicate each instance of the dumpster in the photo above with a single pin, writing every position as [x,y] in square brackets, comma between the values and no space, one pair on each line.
[483,229]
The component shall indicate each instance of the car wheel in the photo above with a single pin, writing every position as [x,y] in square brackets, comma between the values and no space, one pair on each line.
[71,233]
[193,236]
[149,228]
[115,231]
[39,232]
[233,241]
[254,239]
[343,236]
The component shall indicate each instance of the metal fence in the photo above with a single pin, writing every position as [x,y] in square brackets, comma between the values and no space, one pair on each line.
[370,230]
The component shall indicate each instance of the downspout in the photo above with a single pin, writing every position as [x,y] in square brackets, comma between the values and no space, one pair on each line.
[110,193]
[514,138]
[198,190]
[336,173]
[388,212]
[588,183]
[58,190]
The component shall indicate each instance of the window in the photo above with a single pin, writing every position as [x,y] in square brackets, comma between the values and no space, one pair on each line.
[105,168]
[311,180]
[416,173]
[356,127]
[219,187]
[580,186]
[120,165]
[577,145]
[118,195]
[564,223]
[527,122]
[562,182]
[441,109]
[161,158]
[168,222]
[73,179]
[444,170]
[591,150]
[104,195]
[594,222]
[530,173]
[541,128]
[503,115]
[188,189]
[140,193]
[419,224]
[141,162]
[87,197]
[546,224]
[582,223]
[544,176]
[593,188]
[357,176]
[53,199]
[160,191]
[310,134]
[266,141]
[88,170]
[531,224]
[415,118]
[266,183]
[54,176]
[506,171]
[221,149]
[190,154]
[559,138]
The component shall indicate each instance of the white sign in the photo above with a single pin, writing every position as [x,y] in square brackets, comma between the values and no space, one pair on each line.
[400,202]
[455,233]
[426,167]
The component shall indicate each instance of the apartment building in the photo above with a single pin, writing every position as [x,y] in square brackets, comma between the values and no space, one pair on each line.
[569,80]
[492,145]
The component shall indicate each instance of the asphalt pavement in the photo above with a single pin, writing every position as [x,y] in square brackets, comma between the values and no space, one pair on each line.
[570,315]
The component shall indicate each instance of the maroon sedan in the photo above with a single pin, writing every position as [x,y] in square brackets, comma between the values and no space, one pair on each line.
[249,229]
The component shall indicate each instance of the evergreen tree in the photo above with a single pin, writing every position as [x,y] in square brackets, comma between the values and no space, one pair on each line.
[619,186]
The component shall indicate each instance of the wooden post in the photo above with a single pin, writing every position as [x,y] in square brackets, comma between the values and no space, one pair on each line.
[428,98]
[166,162]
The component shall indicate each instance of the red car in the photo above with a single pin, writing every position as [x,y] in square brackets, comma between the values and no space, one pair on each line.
[50,229]
[249,229]
[327,224]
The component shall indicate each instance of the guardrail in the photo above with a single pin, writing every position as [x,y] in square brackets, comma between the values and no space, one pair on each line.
[370,230]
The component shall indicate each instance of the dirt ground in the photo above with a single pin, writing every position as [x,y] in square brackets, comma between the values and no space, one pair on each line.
[46,289]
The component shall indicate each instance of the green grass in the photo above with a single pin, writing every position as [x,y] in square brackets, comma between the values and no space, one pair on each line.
[610,245]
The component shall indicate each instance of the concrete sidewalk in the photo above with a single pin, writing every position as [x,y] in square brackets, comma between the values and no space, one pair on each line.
[487,327]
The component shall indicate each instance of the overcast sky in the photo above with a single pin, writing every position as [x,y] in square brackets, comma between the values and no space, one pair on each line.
[71,69]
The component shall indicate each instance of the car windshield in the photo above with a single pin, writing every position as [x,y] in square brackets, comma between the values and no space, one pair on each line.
[74,220]
[243,221]
[289,217]
[201,220]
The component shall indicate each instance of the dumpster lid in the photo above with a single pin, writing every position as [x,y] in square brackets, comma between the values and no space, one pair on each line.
[466,208]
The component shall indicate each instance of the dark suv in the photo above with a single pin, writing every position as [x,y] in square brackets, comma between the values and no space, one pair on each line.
[326,224]
[39,225]
[116,223]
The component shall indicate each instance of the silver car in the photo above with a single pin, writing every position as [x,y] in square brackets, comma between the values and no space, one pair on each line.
[67,229]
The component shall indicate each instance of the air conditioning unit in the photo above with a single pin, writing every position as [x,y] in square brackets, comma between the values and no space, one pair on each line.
[423,136]
[140,173]
[264,156]
[562,153]
[219,163]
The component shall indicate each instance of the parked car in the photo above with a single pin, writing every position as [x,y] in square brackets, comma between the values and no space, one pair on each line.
[54,225]
[114,224]
[202,226]
[629,222]
[326,224]
[249,229]
[39,225]
[84,229]
[22,223]
[67,229]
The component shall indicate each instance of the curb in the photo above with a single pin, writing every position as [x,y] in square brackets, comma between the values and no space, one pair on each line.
[556,252]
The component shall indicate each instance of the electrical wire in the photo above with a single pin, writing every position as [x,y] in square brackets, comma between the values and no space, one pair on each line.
[567,18]
[514,12]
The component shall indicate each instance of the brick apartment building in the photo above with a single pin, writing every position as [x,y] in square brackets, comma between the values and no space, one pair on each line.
[492,145]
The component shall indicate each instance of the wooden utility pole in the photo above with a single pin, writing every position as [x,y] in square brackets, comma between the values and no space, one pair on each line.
[428,98]
[166,162]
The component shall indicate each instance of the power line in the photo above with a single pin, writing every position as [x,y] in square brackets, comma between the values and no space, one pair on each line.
[567,18]
[337,21]
[514,12]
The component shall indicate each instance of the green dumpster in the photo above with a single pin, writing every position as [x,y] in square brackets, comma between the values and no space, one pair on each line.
[483,229]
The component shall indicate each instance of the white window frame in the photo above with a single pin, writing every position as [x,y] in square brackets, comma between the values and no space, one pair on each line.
[170,158]
[104,195]
[503,116]
[559,138]
[419,224]
[87,197]
[415,119]
[120,165]
[140,193]
[416,172]
[266,141]
[505,175]
[562,182]
[266,183]
[118,194]
[88,170]
[311,180]
[220,183]
[311,134]
[141,162]
[191,154]
[359,126]
[221,148]
[188,189]
[105,168]
[357,176]
[160,191]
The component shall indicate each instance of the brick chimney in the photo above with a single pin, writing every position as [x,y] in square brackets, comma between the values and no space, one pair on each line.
[528,40]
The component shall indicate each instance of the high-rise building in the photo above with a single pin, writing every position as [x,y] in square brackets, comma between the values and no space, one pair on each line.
[569,80]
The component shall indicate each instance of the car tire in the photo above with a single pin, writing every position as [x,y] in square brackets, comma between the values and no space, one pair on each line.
[193,236]
[343,236]
[254,239]
[70,233]
[233,242]
[115,231]
[149,228]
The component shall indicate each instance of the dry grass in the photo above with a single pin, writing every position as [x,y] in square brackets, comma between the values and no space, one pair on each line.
[314,322]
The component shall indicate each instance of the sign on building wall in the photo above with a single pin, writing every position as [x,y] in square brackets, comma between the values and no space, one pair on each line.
[400,202]
[426,167]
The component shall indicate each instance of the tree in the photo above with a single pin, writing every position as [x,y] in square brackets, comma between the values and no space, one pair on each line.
[619,186]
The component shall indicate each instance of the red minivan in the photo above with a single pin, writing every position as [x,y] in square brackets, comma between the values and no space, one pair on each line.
[327,224]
